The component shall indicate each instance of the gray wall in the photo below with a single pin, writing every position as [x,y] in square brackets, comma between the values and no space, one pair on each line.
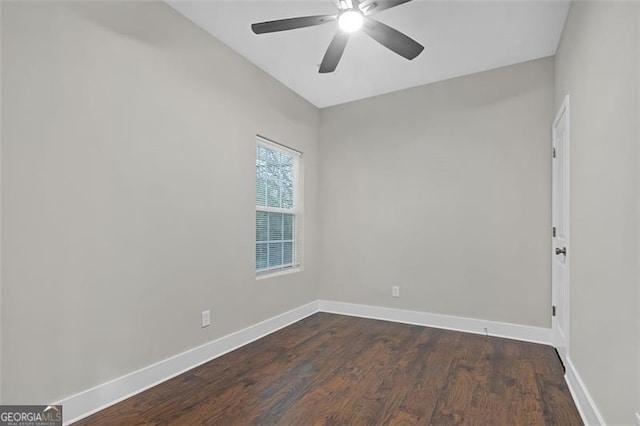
[444,190]
[1,379]
[128,191]
[597,65]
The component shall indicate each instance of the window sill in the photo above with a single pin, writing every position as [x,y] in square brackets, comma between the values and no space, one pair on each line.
[278,273]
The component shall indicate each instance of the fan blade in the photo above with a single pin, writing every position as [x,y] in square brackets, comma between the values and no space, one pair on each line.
[375,6]
[392,39]
[291,24]
[334,52]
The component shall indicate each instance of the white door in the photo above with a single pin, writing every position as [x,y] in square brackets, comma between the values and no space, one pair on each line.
[561,252]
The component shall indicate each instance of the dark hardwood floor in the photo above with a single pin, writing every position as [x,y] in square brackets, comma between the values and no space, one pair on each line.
[339,370]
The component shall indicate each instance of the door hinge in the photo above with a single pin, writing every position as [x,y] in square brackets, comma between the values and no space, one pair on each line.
[554,231]
[553,151]
[553,311]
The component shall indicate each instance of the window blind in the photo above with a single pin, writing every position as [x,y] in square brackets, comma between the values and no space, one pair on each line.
[276,207]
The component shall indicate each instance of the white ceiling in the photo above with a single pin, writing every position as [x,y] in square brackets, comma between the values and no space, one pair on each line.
[461,37]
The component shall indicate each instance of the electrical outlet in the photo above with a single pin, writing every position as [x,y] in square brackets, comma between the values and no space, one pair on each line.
[395,291]
[206,319]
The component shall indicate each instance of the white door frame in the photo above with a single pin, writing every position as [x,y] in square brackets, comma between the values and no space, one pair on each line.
[561,340]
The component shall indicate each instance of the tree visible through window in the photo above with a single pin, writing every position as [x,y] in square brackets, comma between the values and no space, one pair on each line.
[276,206]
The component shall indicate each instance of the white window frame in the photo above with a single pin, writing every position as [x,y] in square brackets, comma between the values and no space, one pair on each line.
[296,211]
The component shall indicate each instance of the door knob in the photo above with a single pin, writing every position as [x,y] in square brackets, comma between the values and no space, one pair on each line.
[562,250]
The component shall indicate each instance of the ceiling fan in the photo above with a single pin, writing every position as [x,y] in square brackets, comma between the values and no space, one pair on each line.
[352,16]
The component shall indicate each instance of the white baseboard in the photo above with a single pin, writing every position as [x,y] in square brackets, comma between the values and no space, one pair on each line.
[468,325]
[100,397]
[587,408]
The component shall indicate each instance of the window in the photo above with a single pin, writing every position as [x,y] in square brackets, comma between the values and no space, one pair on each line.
[277,216]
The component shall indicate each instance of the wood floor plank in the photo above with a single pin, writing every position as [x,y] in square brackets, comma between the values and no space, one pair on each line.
[329,372]
[332,369]
[346,381]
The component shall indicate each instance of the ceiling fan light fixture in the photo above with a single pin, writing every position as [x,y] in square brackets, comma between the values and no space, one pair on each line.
[350,21]
[352,15]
